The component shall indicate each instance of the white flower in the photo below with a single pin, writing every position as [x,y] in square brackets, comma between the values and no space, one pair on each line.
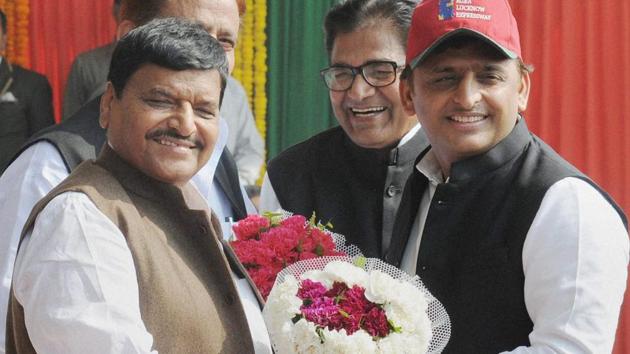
[404,303]
[397,343]
[317,275]
[380,286]
[340,342]
[403,297]
[282,305]
[347,273]
[304,338]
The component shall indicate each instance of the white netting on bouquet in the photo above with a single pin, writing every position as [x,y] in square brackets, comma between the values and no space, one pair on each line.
[339,239]
[440,325]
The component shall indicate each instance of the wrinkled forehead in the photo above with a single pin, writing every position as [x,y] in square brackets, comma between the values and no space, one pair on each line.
[216,16]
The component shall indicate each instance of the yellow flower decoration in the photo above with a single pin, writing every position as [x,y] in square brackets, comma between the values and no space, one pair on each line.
[251,63]
[17,12]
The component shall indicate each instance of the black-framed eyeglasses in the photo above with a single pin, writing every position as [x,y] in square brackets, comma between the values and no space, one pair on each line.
[375,73]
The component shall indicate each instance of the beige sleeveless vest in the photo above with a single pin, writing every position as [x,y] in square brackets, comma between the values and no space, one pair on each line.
[188,300]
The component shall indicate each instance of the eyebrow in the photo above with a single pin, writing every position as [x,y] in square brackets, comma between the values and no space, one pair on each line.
[160,92]
[370,61]
[211,104]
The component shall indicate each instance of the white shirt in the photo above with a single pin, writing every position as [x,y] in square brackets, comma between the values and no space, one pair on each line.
[76,280]
[244,141]
[40,168]
[575,261]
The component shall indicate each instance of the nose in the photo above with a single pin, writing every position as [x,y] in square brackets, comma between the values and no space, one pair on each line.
[360,89]
[468,92]
[183,120]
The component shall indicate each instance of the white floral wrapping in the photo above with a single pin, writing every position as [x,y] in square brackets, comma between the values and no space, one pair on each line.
[423,321]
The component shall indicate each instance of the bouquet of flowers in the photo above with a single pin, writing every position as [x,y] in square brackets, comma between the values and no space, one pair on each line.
[342,305]
[269,243]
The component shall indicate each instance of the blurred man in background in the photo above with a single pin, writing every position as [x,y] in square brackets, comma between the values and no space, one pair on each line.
[25,102]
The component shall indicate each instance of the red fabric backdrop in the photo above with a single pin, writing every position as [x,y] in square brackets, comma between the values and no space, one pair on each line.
[60,30]
[579,103]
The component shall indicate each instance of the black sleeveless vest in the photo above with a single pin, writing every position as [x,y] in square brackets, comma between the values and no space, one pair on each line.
[471,252]
[344,183]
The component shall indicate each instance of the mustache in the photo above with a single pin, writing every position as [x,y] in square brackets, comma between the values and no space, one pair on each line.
[172,133]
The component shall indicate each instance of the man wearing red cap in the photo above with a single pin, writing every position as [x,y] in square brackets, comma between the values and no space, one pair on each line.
[525,252]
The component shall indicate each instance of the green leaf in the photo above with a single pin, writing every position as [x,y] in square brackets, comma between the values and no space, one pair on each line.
[393,327]
[319,250]
[273,217]
[313,222]
[320,333]
[296,318]
[360,262]
[312,219]
[344,313]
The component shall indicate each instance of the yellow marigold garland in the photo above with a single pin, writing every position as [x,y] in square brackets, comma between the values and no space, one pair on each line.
[251,62]
[17,12]
[260,71]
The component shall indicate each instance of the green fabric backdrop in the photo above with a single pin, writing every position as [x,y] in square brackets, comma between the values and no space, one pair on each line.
[298,100]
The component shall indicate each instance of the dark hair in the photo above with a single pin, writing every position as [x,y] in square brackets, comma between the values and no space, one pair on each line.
[143,11]
[173,43]
[346,17]
[3,22]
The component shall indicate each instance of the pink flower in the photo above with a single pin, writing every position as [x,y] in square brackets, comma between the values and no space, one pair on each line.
[252,253]
[250,227]
[354,301]
[311,290]
[338,289]
[265,249]
[264,278]
[295,222]
[323,312]
[351,323]
[375,323]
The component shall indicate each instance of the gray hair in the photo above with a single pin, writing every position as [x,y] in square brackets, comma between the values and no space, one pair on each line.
[349,15]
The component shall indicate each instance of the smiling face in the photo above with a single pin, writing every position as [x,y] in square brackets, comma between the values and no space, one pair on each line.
[165,122]
[467,100]
[372,117]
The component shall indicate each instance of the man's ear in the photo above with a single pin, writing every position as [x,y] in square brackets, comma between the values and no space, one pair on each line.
[106,106]
[406,91]
[523,92]
[124,27]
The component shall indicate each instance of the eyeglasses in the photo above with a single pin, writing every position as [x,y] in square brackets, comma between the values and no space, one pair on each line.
[375,73]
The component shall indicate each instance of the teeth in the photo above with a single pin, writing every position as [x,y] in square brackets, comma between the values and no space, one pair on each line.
[167,142]
[467,119]
[367,110]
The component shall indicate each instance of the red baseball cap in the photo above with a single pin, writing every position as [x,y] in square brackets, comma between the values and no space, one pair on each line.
[435,21]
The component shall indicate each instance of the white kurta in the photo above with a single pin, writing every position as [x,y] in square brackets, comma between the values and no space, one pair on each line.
[575,261]
[40,168]
[76,280]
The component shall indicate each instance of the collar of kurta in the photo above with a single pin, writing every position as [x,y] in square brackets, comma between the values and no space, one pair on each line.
[507,149]
[136,182]
[369,161]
